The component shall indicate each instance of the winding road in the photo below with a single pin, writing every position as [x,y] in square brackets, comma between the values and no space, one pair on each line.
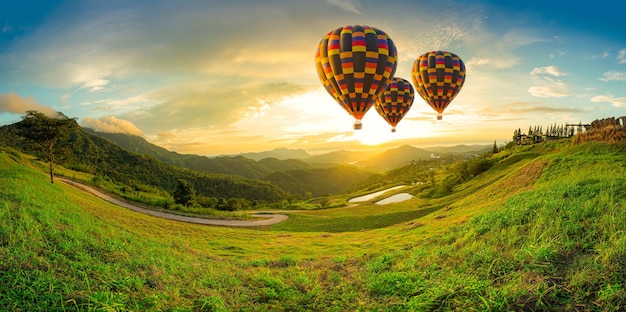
[269,219]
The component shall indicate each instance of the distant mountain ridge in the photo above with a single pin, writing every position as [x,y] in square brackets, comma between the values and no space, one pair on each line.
[292,175]
[278,153]
[394,158]
[259,165]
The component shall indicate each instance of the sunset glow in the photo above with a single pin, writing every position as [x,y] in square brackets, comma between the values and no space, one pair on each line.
[211,78]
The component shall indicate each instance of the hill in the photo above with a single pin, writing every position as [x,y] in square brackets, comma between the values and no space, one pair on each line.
[540,230]
[237,165]
[318,182]
[106,160]
[394,158]
[460,149]
[528,234]
[278,153]
[339,157]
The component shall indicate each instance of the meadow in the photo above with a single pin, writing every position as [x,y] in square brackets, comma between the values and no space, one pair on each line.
[542,229]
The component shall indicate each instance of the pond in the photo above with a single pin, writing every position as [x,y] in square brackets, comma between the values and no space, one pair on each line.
[373,195]
[394,199]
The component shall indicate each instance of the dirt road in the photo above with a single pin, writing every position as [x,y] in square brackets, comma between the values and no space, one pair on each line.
[269,219]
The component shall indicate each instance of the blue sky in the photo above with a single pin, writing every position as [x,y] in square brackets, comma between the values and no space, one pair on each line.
[217,77]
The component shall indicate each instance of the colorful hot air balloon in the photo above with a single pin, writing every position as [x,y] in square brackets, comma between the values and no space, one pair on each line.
[355,63]
[395,101]
[438,78]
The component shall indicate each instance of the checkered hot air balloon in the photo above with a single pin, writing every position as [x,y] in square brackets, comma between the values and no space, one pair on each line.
[395,101]
[438,78]
[355,63]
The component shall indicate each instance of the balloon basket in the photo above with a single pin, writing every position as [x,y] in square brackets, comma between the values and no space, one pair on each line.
[358,125]
[393,129]
[439,117]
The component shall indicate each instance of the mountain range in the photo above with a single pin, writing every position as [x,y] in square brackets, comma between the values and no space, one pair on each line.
[260,164]
[265,175]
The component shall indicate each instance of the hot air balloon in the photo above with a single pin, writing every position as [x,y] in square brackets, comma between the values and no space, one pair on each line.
[355,63]
[438,78]
[395,101]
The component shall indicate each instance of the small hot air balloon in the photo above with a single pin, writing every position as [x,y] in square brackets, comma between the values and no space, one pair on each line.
[438,78]
[395,101]
[355,63]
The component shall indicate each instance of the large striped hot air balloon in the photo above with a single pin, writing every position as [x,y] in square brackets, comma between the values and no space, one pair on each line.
[355,64]
[395,101]
[438,78]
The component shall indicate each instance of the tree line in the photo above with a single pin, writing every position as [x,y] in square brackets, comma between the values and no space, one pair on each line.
[536,134]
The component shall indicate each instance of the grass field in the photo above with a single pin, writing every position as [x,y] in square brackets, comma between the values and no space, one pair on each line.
[544,229]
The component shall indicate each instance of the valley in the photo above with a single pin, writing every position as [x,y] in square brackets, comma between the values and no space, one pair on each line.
[529,227]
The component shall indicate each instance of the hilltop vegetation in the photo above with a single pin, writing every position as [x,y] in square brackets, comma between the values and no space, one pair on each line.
[541,229]
[109,162]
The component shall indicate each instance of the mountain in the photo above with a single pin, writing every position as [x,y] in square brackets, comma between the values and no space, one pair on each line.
[339,157]
[278,153]
[319,182]
[293,175]
[237,165]
[461,149]
[107,160]
[394,158]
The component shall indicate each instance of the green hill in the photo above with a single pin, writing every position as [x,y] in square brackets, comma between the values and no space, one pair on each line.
[230,165]
[318,182]
[541,230]
[394,158]
[108,161]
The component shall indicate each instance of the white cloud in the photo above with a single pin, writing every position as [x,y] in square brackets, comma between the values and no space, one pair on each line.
[111,124]
[548,70]
[476,61]
[348,5]
[554,90]
[609,98]
[6,27]
[613,76]
[95,84]
[621,56]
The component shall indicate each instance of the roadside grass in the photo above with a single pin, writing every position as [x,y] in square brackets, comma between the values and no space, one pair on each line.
[542,231]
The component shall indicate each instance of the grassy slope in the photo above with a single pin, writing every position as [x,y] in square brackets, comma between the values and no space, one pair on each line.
[543,229]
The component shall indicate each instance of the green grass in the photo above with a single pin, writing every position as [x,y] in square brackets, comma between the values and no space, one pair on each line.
[544,229]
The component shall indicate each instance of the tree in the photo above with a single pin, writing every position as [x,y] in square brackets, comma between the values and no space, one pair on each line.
[185,193]
[49,135]
[495,148]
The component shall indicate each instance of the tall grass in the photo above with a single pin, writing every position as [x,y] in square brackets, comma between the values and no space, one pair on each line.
[541,230]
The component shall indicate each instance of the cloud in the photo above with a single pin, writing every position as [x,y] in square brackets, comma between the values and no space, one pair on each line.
[111,124]
[6,28]
[15,104]
[348,5]
[95,84]
[613,76]
[609,98]
[519,110]
[187,107]
[548,70]
[621,56]
[555,90]
[498,51]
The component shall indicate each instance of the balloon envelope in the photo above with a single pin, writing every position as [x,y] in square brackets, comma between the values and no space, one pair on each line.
[438,78]
[355,63]
[395,101]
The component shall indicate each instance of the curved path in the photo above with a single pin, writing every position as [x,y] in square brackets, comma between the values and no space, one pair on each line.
[269,218]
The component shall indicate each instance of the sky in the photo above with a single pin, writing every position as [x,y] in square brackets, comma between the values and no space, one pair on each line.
[228,77]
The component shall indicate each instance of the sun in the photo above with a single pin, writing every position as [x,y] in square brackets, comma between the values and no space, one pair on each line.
[374,132]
